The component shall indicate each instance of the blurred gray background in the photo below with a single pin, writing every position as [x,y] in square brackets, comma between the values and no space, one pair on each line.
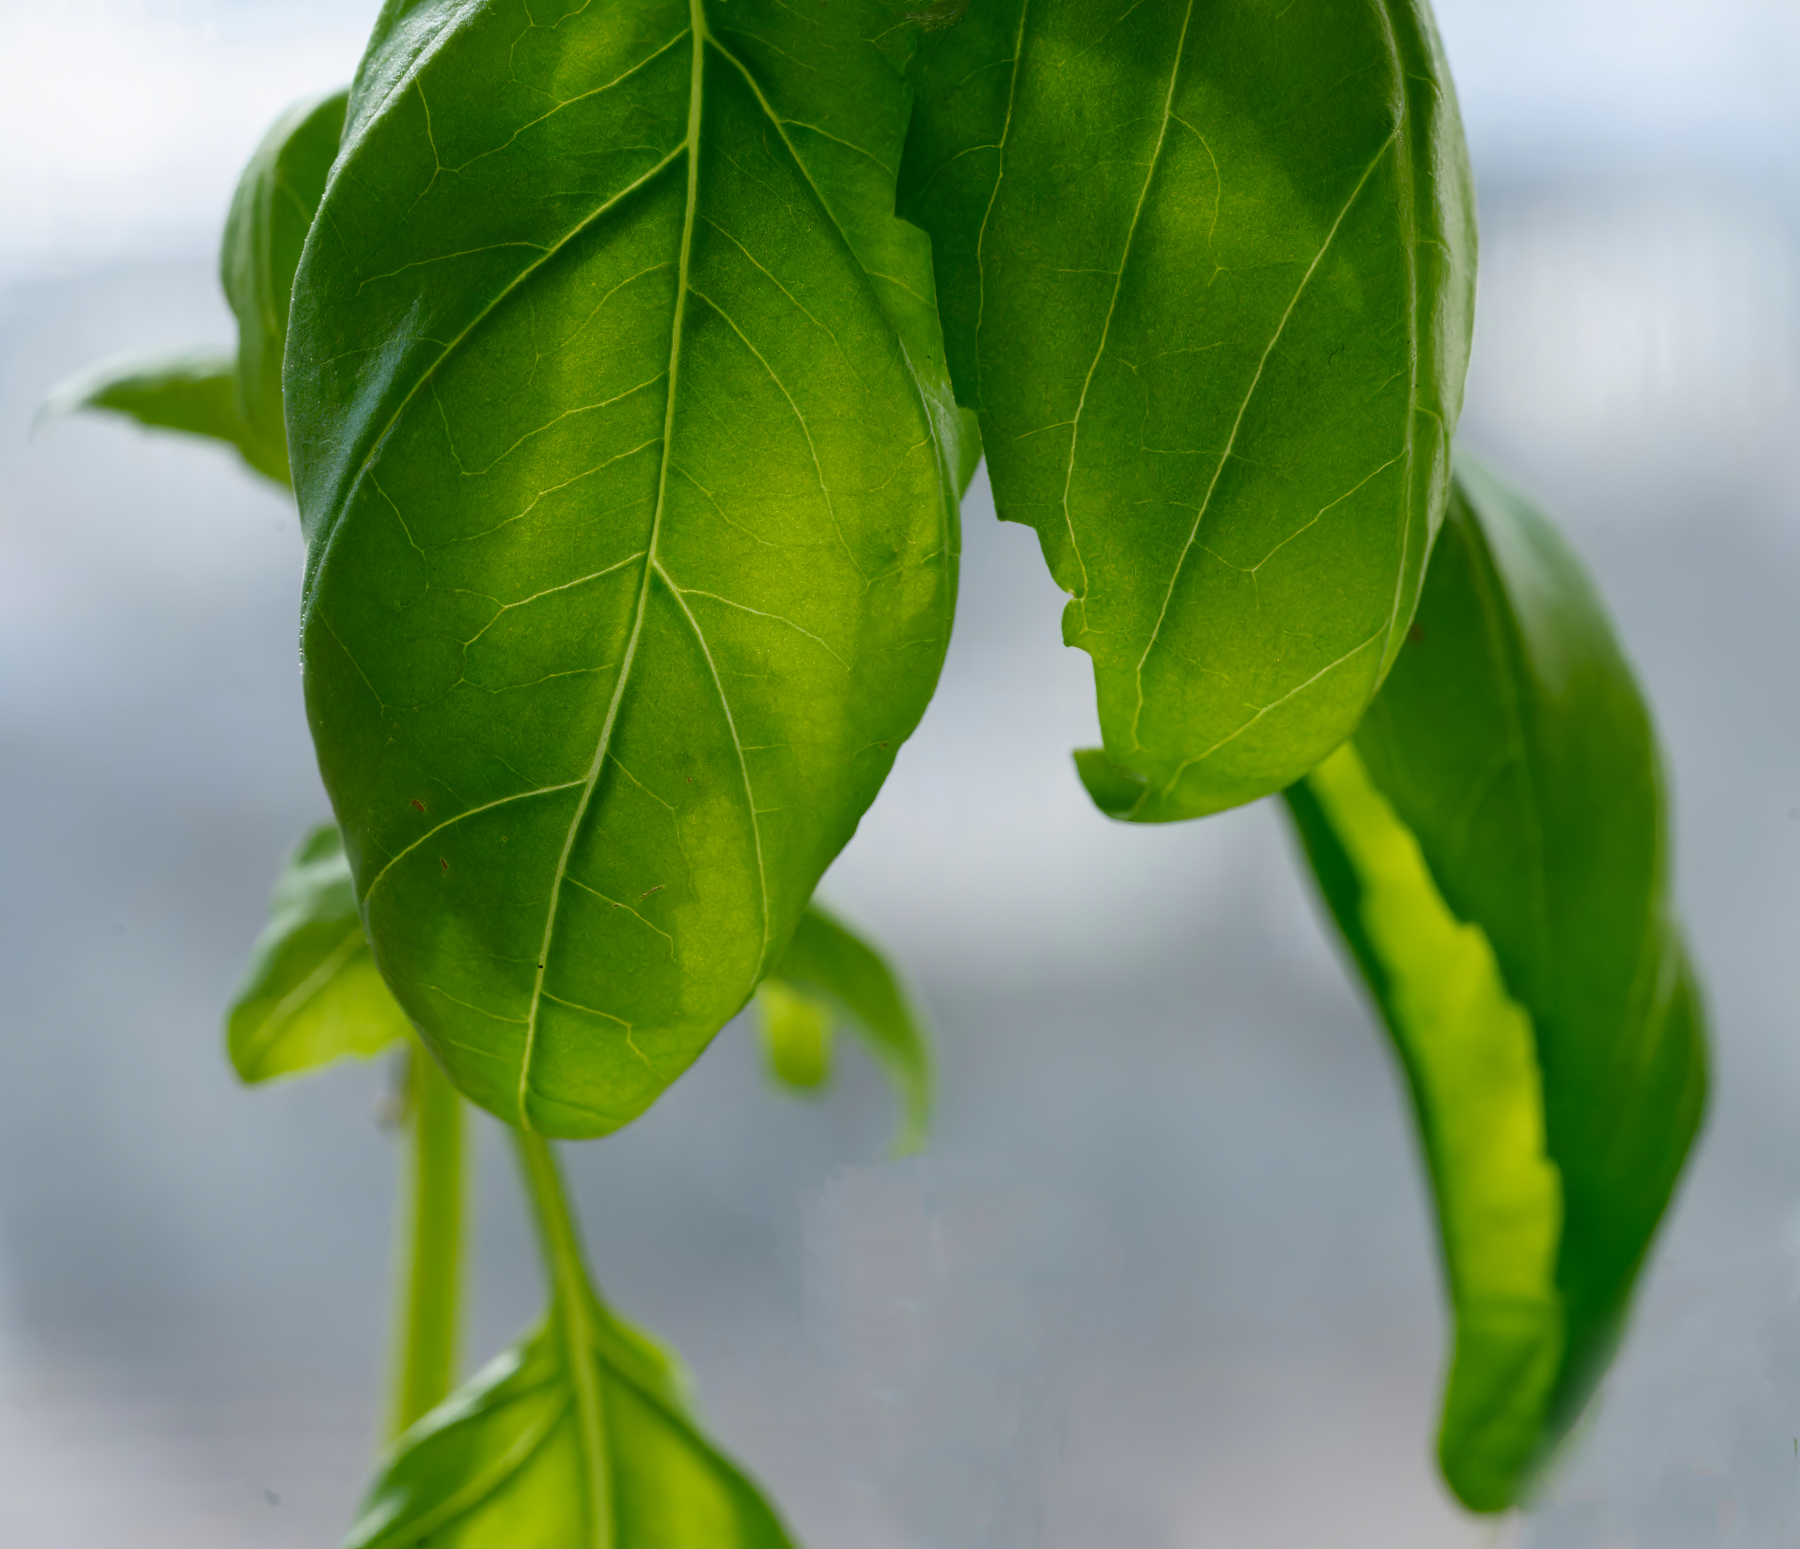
[1164,1280]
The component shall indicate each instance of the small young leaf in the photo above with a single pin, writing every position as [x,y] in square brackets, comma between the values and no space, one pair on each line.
[312,994]
[1207,273]
[194,391]
[1493,846]
[825,955]
[206,392]
[504,1462]
[627,460]
[796,1035]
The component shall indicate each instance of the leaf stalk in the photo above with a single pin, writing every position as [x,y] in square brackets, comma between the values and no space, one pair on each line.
[428,1316]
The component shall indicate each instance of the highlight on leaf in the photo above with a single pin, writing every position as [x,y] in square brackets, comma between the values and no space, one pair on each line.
[1207,274]
[312,994]
[1493,846]
[628,464]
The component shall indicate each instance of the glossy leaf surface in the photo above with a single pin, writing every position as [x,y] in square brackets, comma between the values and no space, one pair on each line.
[627,462]
[505,1462]
[1206,271]
[1508,778]
[826,955]
[312,994]
[206,392]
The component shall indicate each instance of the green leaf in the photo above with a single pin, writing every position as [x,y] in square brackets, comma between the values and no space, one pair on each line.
[578,1437]
[796,1036]
[191,390]
[1493,846]
[312,994]
[826,955]
[207,392]
[627,461]
[1207,271]
[271,212]
[507,1462]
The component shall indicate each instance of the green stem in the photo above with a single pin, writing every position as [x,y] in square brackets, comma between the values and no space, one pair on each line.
[574,1307]
[431,1226]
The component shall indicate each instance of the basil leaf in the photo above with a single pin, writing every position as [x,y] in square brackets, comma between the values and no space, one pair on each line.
[190,390]
[796,1036]
[1206,272]
[312,994]
[506,1462]
[271,212]
[207,392]
[626,458]
[827,956]
[1493,846]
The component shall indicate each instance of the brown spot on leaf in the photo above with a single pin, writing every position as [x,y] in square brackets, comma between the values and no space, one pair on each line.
[445,864]
[1415,634]
[417,805]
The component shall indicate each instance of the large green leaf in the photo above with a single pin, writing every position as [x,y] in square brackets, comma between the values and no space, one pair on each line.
[825,955]
[578,1437]
[207,392]
[626,458]
[1206,271]
[312,994]
[1493,845]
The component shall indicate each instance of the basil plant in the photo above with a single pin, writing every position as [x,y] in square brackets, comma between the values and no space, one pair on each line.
[628,362]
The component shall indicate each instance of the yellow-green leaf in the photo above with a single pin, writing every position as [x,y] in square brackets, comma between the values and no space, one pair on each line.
[1508,778]
[504,1463]
[312,994]
[827,956]
[796,1035]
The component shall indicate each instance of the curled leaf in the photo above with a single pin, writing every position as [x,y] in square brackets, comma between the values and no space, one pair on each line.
[827,956]
[1493,846]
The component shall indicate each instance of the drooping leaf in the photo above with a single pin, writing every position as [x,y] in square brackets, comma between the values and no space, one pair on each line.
[531,1450]
[271,212]
[827,956]
[1206,271]
[626,459]
[312,994]
[796,1035]
[208,392]
[1493,844]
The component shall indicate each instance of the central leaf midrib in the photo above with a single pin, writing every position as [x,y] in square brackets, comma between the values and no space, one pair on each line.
[698,36]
